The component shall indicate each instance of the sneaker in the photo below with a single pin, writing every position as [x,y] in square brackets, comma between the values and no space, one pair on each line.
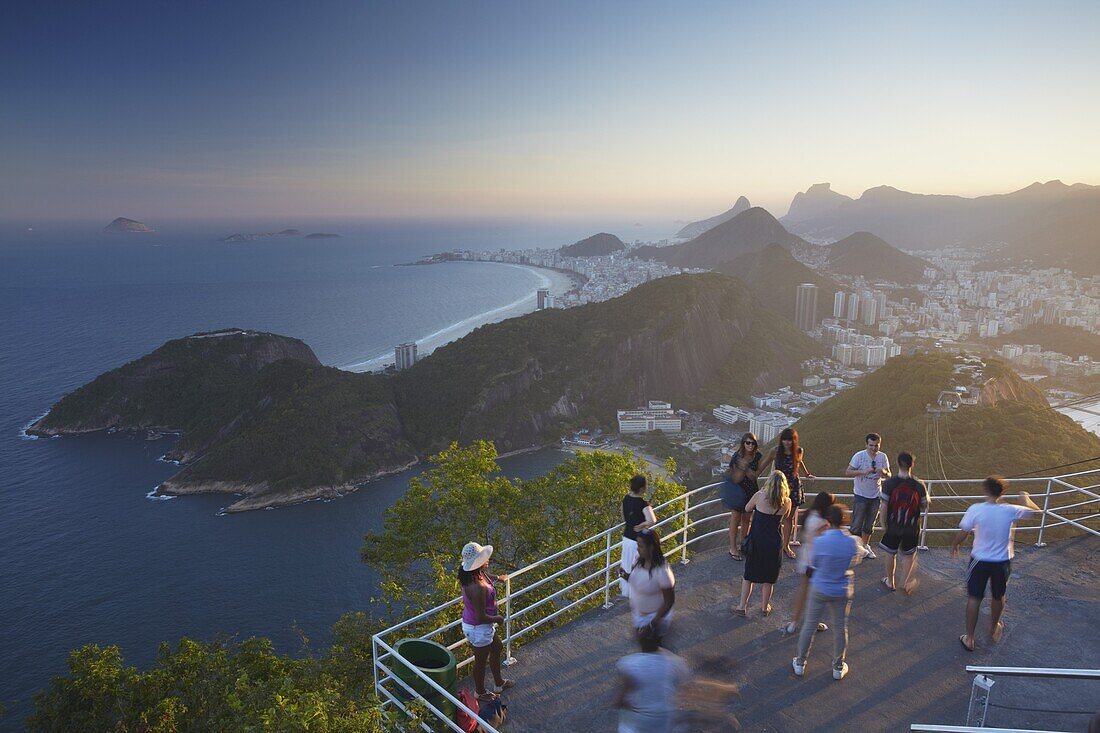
[799,669]
[839,672]
[506,685]
[870,556]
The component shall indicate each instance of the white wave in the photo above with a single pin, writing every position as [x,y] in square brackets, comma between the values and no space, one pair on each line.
[154,496]
[23,430]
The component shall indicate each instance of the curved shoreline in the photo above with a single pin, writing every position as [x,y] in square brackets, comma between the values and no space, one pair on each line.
[549,278]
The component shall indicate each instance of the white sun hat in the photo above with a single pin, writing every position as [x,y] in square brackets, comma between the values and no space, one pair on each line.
[474,555]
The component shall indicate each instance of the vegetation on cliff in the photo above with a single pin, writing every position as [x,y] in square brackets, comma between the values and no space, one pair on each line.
[865,254]
[1068,340]
[773,275]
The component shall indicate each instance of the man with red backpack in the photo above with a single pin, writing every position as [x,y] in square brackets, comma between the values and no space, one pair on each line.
[904,499]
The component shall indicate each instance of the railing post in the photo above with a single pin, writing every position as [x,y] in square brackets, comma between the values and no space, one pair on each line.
[374,663]
[1043,521]
[508,660]
[687,507]
[607,572]
[923,543]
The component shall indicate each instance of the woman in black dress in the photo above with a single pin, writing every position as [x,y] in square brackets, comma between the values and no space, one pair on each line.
[764,553]
[787,456]
[738,488]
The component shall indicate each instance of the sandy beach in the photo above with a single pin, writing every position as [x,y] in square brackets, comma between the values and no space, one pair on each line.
[558,282]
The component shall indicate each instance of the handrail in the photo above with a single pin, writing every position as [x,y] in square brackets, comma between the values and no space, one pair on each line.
[598,561]
[1055,672]
[917,727]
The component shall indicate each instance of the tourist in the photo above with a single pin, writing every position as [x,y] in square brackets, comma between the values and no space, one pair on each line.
[831,588]
[738,487]
[904,499]
[787,456]
[637,515]
[868,467]
[480,617]
[992,523]
[816,524]
[649,687]
[652,586]
[763,547]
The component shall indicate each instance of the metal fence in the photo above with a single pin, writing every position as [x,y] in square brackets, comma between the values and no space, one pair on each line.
[572,580]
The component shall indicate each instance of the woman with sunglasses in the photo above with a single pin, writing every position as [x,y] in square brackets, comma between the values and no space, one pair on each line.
[787,456]
[652,586]
[738,487]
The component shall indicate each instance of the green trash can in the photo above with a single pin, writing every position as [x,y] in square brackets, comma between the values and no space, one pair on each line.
[434,660]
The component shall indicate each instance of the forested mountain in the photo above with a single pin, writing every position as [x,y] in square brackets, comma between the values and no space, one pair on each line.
[597,245]
[773,275]
[749,231]
[865,254]
[1073,342]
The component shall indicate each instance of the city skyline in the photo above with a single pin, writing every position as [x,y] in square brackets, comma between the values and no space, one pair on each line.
[439,111]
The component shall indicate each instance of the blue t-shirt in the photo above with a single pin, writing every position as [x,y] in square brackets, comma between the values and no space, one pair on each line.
[835,553]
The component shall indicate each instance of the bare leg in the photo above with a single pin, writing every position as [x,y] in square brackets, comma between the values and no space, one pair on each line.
[735,524]
[494,660]
[481,655]
[799,605]
[746,524]
[794,524]
[996,610]
[973,605]
[787,529]
[890,561]
[746,591]
[766,596]
[908,569]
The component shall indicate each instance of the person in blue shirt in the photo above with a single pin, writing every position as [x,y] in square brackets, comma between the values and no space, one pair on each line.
[831,587]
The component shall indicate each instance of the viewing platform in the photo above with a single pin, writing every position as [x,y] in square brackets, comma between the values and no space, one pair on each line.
[566,627]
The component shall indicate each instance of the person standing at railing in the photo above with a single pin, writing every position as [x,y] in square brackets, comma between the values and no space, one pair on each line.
[649,687]
[637,515]
[993,523]
[652,586]
[480,617]
[788,457]
[904,499]
[868,467]
[764,545]
[738,487]
[832,588]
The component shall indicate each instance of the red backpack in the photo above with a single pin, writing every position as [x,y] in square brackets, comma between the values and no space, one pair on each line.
[903,509]
[462,718]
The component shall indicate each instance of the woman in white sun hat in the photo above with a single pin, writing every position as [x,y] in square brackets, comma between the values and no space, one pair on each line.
[480,617]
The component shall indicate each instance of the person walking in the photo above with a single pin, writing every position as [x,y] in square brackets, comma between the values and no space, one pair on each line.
[904,498]
[868,467]
[637,515]
[993,524]
[764,551]
[816,524]
[649,687]
[831,588]
[788,457]
[480,617]
[652,586]
[738,487]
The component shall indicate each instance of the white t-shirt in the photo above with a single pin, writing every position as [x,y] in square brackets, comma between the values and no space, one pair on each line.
[646,589]
[868,486]
[814,522]
[993,526]
[655,678]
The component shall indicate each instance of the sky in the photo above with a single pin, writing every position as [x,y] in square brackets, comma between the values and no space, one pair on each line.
[404,109]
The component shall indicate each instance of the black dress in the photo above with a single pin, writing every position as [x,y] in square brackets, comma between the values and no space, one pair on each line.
[762,564]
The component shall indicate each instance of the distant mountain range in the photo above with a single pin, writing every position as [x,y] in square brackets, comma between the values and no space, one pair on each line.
[749,231]
[598,245]
[919,221]
[865,254]
[695,228]
[262,418]
[122,224]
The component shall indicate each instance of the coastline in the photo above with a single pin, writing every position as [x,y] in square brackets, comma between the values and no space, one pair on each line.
[557,281]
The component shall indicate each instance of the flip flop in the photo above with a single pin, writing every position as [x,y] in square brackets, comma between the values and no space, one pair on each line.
[487,696]
[740,612]
[889,587]
[790,553]
[767,611]
[738,558]
[962,641]
[998,632]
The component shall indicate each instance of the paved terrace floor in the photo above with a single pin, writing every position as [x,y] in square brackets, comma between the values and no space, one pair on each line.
[906,662]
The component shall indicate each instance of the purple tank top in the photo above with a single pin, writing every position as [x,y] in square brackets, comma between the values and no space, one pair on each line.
[469,615]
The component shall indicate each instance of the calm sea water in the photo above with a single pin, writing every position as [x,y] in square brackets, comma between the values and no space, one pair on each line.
[84,556]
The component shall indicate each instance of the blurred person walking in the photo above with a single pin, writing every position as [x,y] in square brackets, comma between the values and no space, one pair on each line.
[649,687]
[652,586]
[816,524]
[763,547]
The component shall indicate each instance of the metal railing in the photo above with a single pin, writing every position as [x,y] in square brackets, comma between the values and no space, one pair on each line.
[576,585]
[982,692]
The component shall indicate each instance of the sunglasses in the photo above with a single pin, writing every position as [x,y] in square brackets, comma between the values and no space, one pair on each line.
[748,442]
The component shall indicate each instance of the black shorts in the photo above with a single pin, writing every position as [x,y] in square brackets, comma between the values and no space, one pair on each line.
[981,572]
[894,542]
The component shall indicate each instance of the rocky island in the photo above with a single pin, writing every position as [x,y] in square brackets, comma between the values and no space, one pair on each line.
[283,234]
[122,224]
[260,417]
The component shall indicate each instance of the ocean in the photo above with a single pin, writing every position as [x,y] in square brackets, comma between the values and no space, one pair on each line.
[85,557]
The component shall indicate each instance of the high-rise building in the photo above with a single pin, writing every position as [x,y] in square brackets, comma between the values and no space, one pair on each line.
[853,306]
[545,299]
[404,355]
[838,304]
[869,307]
[805,306]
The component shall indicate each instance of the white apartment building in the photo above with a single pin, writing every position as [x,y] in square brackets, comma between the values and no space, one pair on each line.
[656,415]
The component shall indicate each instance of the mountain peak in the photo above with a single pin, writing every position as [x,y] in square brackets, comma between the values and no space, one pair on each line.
[818,199]
[597,245]
[695,228]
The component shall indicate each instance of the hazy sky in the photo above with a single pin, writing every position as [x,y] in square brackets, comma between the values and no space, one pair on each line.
[402,108]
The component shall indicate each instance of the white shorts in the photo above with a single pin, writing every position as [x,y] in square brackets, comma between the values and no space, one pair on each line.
[630,555]
[480,635]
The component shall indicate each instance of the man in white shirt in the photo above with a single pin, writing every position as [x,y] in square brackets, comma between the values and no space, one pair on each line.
[993,524]
[868,468]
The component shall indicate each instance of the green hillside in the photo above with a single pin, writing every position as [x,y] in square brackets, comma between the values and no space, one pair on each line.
[1067,340]
[773,275]
[865,254]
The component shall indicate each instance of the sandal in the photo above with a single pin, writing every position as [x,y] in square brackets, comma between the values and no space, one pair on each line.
[507,684]
[737,557]
[796,543]
[486,696]
[740,612]
[962,640]
[767,611]
[886,582]
[790,553]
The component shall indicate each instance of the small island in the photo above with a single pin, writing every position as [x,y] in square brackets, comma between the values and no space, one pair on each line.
[322,235]
[122,224]
[283,234]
